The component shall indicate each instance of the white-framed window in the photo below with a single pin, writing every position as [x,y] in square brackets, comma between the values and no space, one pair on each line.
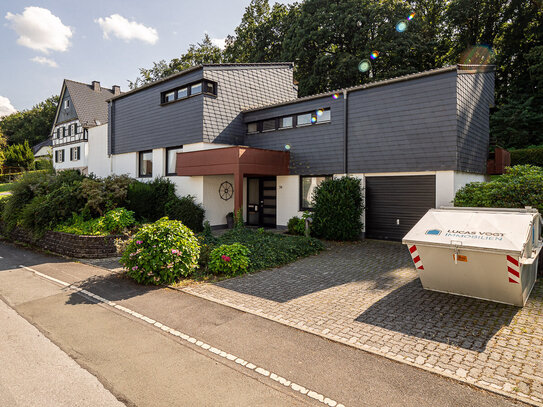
[75,153]
[307,186]
[285,122]
[67,104]
[171,159]
[59,156]
[146,163]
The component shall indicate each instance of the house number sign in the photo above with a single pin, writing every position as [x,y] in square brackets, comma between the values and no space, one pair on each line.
[226,190]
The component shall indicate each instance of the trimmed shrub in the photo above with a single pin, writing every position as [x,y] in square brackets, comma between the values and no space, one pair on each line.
[117,220]
[148,199]
[338,209]
[229,259]
[296,226]
[161,253]
[532,155]
[105,194]
[187,211]
[521,186]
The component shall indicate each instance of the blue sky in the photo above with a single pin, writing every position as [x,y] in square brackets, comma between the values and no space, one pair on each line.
[44,41]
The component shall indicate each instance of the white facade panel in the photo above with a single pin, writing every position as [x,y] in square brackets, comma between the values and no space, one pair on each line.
[99,161]
[125,164]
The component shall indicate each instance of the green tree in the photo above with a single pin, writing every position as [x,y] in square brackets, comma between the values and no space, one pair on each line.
[259,37]
[33,125]
[2,148]
[19,155]
[204,52]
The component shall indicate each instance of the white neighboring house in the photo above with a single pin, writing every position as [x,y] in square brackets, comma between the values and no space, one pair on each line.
[43,150]
[81,109]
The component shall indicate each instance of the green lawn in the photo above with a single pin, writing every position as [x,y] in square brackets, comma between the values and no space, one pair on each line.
[6,187]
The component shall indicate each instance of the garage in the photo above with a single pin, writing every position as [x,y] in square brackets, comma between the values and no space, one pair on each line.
[395,204]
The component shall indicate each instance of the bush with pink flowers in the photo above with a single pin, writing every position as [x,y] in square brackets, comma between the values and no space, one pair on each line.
[229,259]
[161,253]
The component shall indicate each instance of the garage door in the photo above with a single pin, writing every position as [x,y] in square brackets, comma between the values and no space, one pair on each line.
[395,204]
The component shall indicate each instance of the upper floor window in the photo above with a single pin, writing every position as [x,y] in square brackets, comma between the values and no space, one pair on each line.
[67,104]
[146,163]
[169,97]
[304,119]
[191,89]
[196,88]
[252,127]
[285,122]
[171,159]
[268,125]
[182,93]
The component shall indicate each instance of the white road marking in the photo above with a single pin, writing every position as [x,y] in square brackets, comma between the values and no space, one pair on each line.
[231,358]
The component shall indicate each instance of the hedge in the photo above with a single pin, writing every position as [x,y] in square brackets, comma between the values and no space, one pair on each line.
[532,155]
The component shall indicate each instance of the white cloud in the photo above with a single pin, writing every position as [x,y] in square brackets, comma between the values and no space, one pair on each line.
[45,61]
[219,42]
[6,108]
[126,30]
[40,30]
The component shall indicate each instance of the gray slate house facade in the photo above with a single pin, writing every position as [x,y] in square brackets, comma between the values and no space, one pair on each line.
[81,107]
[236,136]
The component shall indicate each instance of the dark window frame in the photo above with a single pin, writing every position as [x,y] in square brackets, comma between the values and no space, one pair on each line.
[294,116]
[170,174]
[140,153]
[188,86]
[300,199]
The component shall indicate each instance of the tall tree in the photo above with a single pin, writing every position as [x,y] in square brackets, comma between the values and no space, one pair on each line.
[32,125]
[260,34]
[204,52]
[19,155]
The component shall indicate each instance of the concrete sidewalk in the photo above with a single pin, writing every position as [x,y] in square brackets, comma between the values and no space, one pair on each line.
[34,371]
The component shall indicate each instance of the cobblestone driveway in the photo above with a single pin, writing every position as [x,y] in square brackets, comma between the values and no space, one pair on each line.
[367,295]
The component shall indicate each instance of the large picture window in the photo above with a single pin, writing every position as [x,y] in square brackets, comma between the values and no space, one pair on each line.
[146,164]
[307,186]
[171,159]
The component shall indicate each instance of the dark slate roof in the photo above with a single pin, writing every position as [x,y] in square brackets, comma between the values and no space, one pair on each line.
[44,143]
[196,67]
[90,105]
[460,68]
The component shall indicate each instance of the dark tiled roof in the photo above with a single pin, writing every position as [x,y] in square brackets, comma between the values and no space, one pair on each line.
[195,68]
[90,105]
[460,68]
[44,143]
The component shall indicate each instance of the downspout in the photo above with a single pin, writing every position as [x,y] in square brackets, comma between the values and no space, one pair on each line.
[345,133]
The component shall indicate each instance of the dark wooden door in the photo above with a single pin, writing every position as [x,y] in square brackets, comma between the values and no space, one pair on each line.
[262,201]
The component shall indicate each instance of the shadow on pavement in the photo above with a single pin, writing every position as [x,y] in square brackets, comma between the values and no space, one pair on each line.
[455,320]
[343,263]
[113,287]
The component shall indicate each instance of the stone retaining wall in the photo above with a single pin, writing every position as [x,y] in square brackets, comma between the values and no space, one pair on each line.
[89,247]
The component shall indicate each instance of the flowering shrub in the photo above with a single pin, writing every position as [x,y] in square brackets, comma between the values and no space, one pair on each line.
[229,259]
[161,253]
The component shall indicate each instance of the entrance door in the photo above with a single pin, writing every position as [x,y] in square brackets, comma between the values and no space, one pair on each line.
[261,201]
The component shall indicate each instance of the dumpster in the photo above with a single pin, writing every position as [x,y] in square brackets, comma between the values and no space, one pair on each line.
[485,253]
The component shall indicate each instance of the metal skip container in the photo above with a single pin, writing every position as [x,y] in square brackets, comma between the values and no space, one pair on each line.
[485,253]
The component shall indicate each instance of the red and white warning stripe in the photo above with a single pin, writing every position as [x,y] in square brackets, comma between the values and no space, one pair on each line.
[513,270]
[416,258]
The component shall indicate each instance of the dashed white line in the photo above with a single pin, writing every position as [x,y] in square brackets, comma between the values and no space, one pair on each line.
[232,358]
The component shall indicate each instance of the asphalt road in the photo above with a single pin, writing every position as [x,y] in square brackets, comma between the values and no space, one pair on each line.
[142,365]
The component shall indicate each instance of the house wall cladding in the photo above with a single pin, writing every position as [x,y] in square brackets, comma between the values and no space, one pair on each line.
[475,95]
[240,88]
[139,122]
[89,247]
[404,126]
[65,115]
[315,149]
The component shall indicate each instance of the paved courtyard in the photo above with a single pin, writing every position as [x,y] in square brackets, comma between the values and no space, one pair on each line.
[367,295]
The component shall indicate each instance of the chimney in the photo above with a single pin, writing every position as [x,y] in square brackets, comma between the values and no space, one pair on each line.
[116,90]
[96,86]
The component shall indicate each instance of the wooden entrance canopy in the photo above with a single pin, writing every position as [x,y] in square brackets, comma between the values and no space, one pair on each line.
[237,160]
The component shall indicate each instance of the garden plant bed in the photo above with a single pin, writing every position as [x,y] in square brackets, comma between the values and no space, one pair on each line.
[67,244]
